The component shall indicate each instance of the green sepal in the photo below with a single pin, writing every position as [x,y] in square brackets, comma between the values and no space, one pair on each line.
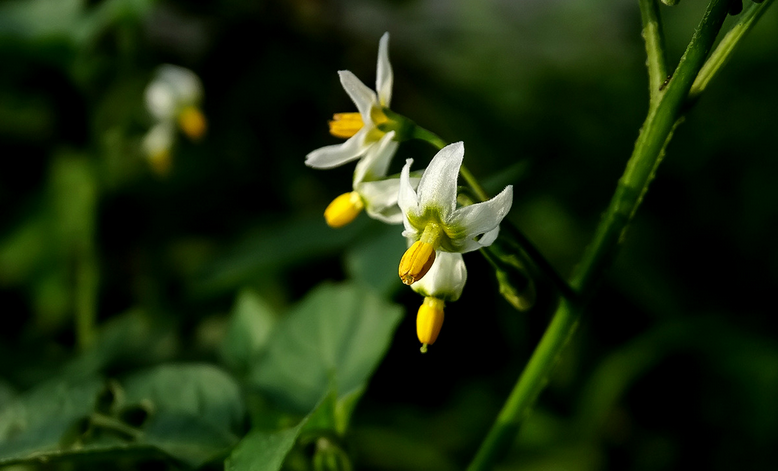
[516,285]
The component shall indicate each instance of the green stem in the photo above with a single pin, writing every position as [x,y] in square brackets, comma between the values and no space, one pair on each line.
[654,135]
[729,42]
[656,57]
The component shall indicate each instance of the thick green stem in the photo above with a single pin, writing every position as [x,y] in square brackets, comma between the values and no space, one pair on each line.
[656,57]
[651,142]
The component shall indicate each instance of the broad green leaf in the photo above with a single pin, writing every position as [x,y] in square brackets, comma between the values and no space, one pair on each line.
[374,260]
[262,450]
[34,424]
[333,339]
[250,326]
[275,246]
[196,410]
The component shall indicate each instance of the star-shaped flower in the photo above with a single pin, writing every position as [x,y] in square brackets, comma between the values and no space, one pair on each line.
[434,223]
[362,128]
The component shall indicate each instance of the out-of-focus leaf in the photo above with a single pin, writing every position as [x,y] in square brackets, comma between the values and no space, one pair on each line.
[283,244]
[374,260]
[333,339]
[34,424]
[251,323]
[262,450]
[24,249]
[130,339]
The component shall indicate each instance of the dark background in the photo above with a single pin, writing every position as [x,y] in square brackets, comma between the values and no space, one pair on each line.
[676,361]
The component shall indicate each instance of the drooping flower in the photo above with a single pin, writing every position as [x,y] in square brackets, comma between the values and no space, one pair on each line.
[432,221]
[444,282]
[361,129]
[173,100]
[372,191]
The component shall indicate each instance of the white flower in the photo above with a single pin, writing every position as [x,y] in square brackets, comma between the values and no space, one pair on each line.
[372,191]
[446,278]
[172,98]
[444,282]
[360,128]
[172,89]
[432,220]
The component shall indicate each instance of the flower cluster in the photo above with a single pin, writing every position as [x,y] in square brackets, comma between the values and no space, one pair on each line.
[437,229]
[173,100]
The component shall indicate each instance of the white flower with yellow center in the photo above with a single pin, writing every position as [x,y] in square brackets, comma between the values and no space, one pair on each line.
[444,282]
[373,192]
[434,223]
[361,129]
[173,99]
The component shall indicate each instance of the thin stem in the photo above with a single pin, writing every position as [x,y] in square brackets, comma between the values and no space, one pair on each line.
[86,299]
[633,184]
[656,57]
[728,44]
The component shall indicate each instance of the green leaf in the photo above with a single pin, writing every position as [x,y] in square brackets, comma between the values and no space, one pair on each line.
[374,260]
[196,410]
[249,330]
[274,246]
[34,424]
[333,339]
[262,450]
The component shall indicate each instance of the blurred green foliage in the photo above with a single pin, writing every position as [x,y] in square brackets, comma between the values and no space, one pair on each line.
[197,281]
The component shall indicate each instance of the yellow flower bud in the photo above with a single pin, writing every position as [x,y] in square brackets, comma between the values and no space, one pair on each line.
[343,209]
[192,122]
[416,262]
[429,320]
[345,125]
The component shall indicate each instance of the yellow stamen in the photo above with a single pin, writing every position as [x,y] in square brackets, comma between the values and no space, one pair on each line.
[343,209]
[429,320]
[160,162]
[192,122]
[418,259]
[416,262]
[345,125]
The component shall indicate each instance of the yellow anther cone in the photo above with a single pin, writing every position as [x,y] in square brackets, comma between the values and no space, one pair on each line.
[429,320]
[345,125]
[160,162]
[416,262]
[343,209]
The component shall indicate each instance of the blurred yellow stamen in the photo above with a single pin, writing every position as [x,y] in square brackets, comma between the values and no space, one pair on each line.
[192,122]
[343,209]
[160,162]
[429,320]
[345,125]
[418,259]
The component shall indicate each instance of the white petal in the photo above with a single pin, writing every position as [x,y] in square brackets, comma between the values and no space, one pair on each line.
[338,154]
[438,186]
[481,218]
[446,279]
[160,100]
[384,76]
[158,139]
[375,163]
[360,94]
[488,239]
[380,199]
[407,199]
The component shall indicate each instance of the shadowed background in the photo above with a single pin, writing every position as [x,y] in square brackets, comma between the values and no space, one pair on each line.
[676,361]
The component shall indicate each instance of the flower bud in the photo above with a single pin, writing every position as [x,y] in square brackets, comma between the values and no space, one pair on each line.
[429,320]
